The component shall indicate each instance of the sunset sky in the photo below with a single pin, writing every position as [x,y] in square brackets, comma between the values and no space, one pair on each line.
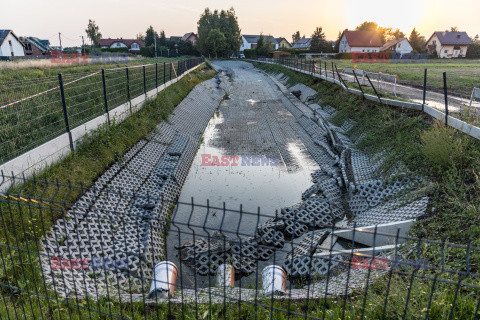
[122,18]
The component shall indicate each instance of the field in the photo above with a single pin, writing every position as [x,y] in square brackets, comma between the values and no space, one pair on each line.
[32,69]
[462,75]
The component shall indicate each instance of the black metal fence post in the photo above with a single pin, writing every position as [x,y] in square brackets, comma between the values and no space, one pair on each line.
[424,89]
[340,77]
[164,73]
[65,113]
[374,90]
[446,96]
[171,65]
[326,70]
[128,89]
[144,81]
[361,89]
[156,75]
[105,96]
[333,72]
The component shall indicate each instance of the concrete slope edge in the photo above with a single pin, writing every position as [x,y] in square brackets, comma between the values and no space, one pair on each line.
[458,124]
[55,150]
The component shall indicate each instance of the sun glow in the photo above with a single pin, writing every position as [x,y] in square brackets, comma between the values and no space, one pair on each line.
[405,14]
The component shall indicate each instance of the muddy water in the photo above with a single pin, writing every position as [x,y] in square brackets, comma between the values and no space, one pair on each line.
[255,180]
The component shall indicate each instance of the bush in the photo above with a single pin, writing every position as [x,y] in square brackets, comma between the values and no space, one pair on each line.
[442,146]
[250,53]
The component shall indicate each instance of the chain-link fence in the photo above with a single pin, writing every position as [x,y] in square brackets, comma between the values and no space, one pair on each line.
[35,111]
[88,259]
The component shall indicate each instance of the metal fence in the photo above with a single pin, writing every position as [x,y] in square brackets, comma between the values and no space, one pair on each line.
[384,86]
[35,111]
[65,258]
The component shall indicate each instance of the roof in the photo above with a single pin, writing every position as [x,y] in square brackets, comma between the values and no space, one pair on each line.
[187,35]
[40,44]
[281,39]
[128,42]
[363,38]
[302,43]
[4,34]
[254,38]
[392,43]
[452,38]
[175,38]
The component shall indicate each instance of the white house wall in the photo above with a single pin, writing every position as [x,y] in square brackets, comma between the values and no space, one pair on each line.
[5,50]
[404,47]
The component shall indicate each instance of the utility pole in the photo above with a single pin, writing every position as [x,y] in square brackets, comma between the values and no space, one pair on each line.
[155,37]
[61,49]
[83,45]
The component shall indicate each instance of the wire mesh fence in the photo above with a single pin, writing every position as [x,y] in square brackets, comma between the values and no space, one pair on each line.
[35,111]
[73,252]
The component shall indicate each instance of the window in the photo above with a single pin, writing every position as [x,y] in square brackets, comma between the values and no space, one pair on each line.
[446,51]
[10,42]
[434,42]
[399,45]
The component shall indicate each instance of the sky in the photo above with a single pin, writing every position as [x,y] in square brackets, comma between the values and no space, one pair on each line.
[126,18]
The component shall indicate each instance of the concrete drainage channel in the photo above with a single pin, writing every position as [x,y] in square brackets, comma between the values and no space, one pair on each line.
[346,190]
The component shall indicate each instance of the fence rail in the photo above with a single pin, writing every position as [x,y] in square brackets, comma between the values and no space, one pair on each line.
[65,259]
[35,111]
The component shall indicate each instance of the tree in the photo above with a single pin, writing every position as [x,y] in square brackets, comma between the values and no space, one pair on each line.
[397,34]
[216,42]
[227,23]
[336,48]
[367,26]
[162,39]
[454,29]
[93,32]
[150,36]
[295,37]
[140,36]
[417,41]
[319,42]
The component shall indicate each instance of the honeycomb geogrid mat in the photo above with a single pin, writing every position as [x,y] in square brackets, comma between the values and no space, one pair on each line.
[119,223]
[109,222]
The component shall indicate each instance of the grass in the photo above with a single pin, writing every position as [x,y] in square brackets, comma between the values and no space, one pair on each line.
[444,156]
[28,70]
[403,133]
[462,75]
[30,123]
[24,225]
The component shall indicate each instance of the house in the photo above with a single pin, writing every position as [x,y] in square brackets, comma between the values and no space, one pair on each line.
[35,46]
[304,43]
[175,38]
[449,44]
[133,45]
[10,44]
[250,42]
[191,37]
[283,43]
[359,41]
[401,46]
